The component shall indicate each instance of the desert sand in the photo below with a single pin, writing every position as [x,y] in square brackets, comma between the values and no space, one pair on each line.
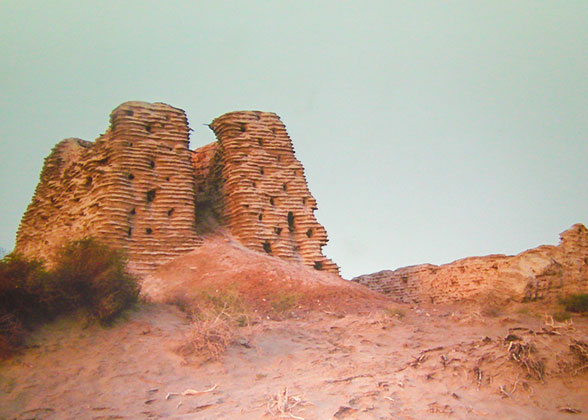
[405,363]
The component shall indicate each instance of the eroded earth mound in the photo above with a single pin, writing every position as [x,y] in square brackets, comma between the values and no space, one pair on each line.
[540,273]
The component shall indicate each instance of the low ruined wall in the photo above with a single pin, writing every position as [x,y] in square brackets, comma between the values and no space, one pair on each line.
[543,272]
[266,203]
[133,188]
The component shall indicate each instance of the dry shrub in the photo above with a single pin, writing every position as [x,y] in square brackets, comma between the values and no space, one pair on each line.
[12,335]
[93,276]
[525,354]
[24,290]
[24,300]
[561,316]
[575,302]
[207,340]
[87,275]
[215,315]
[580,350]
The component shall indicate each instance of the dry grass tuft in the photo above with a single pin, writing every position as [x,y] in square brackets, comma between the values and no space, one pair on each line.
[396,311]
[580,350]
[207,340]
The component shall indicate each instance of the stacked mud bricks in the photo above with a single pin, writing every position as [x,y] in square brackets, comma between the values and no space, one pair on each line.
[140,188]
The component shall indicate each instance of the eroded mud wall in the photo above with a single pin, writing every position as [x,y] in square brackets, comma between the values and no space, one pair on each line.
[266,203]
[133,188]
[539,273]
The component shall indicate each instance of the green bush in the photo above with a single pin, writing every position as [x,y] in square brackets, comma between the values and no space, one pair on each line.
[575,302]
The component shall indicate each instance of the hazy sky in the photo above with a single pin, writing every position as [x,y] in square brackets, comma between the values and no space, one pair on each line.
[429,130]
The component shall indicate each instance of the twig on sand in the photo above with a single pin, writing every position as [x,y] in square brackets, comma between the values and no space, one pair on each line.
[48,409]
[503,391]
[349,378]
[190,392]
[514,387]
[284,403]
[570,410]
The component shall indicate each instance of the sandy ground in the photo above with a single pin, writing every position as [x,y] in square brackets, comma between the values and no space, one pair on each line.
[432,363]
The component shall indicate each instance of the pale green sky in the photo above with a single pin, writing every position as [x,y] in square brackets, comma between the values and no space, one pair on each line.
[429,130]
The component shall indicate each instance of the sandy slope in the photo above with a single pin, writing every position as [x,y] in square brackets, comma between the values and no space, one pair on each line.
[358,366]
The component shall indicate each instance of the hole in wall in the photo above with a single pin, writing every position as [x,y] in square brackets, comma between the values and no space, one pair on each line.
[304,200]
[318,265]
[273,130]
[131,176]
[309,233]
[243,127]
[278,230]
[267,247]
[246,206]
[254,184]
[129,232]
[284,187]
[167,178]
[133,212]
[88,181]
[152,164]
[291,221]
[260,141]
[148,231]
[260,217]
[170,212]
[150,196]
[148,128]
[272,201]
[129,113]
[103,161]
[261,171]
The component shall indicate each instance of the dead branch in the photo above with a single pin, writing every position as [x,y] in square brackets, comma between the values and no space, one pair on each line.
[190,392]
[284,403]
[349,378]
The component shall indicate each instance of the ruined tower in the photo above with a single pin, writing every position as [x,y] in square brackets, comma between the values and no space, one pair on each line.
[139,188]
[133,188]
[264,199]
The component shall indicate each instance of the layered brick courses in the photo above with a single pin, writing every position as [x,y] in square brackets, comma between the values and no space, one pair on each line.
[266,201]
[133,188]
[539,273]
[138,187]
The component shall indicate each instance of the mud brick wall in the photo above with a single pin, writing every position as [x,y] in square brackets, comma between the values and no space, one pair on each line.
[264,198]
[540,273]
[133,188]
